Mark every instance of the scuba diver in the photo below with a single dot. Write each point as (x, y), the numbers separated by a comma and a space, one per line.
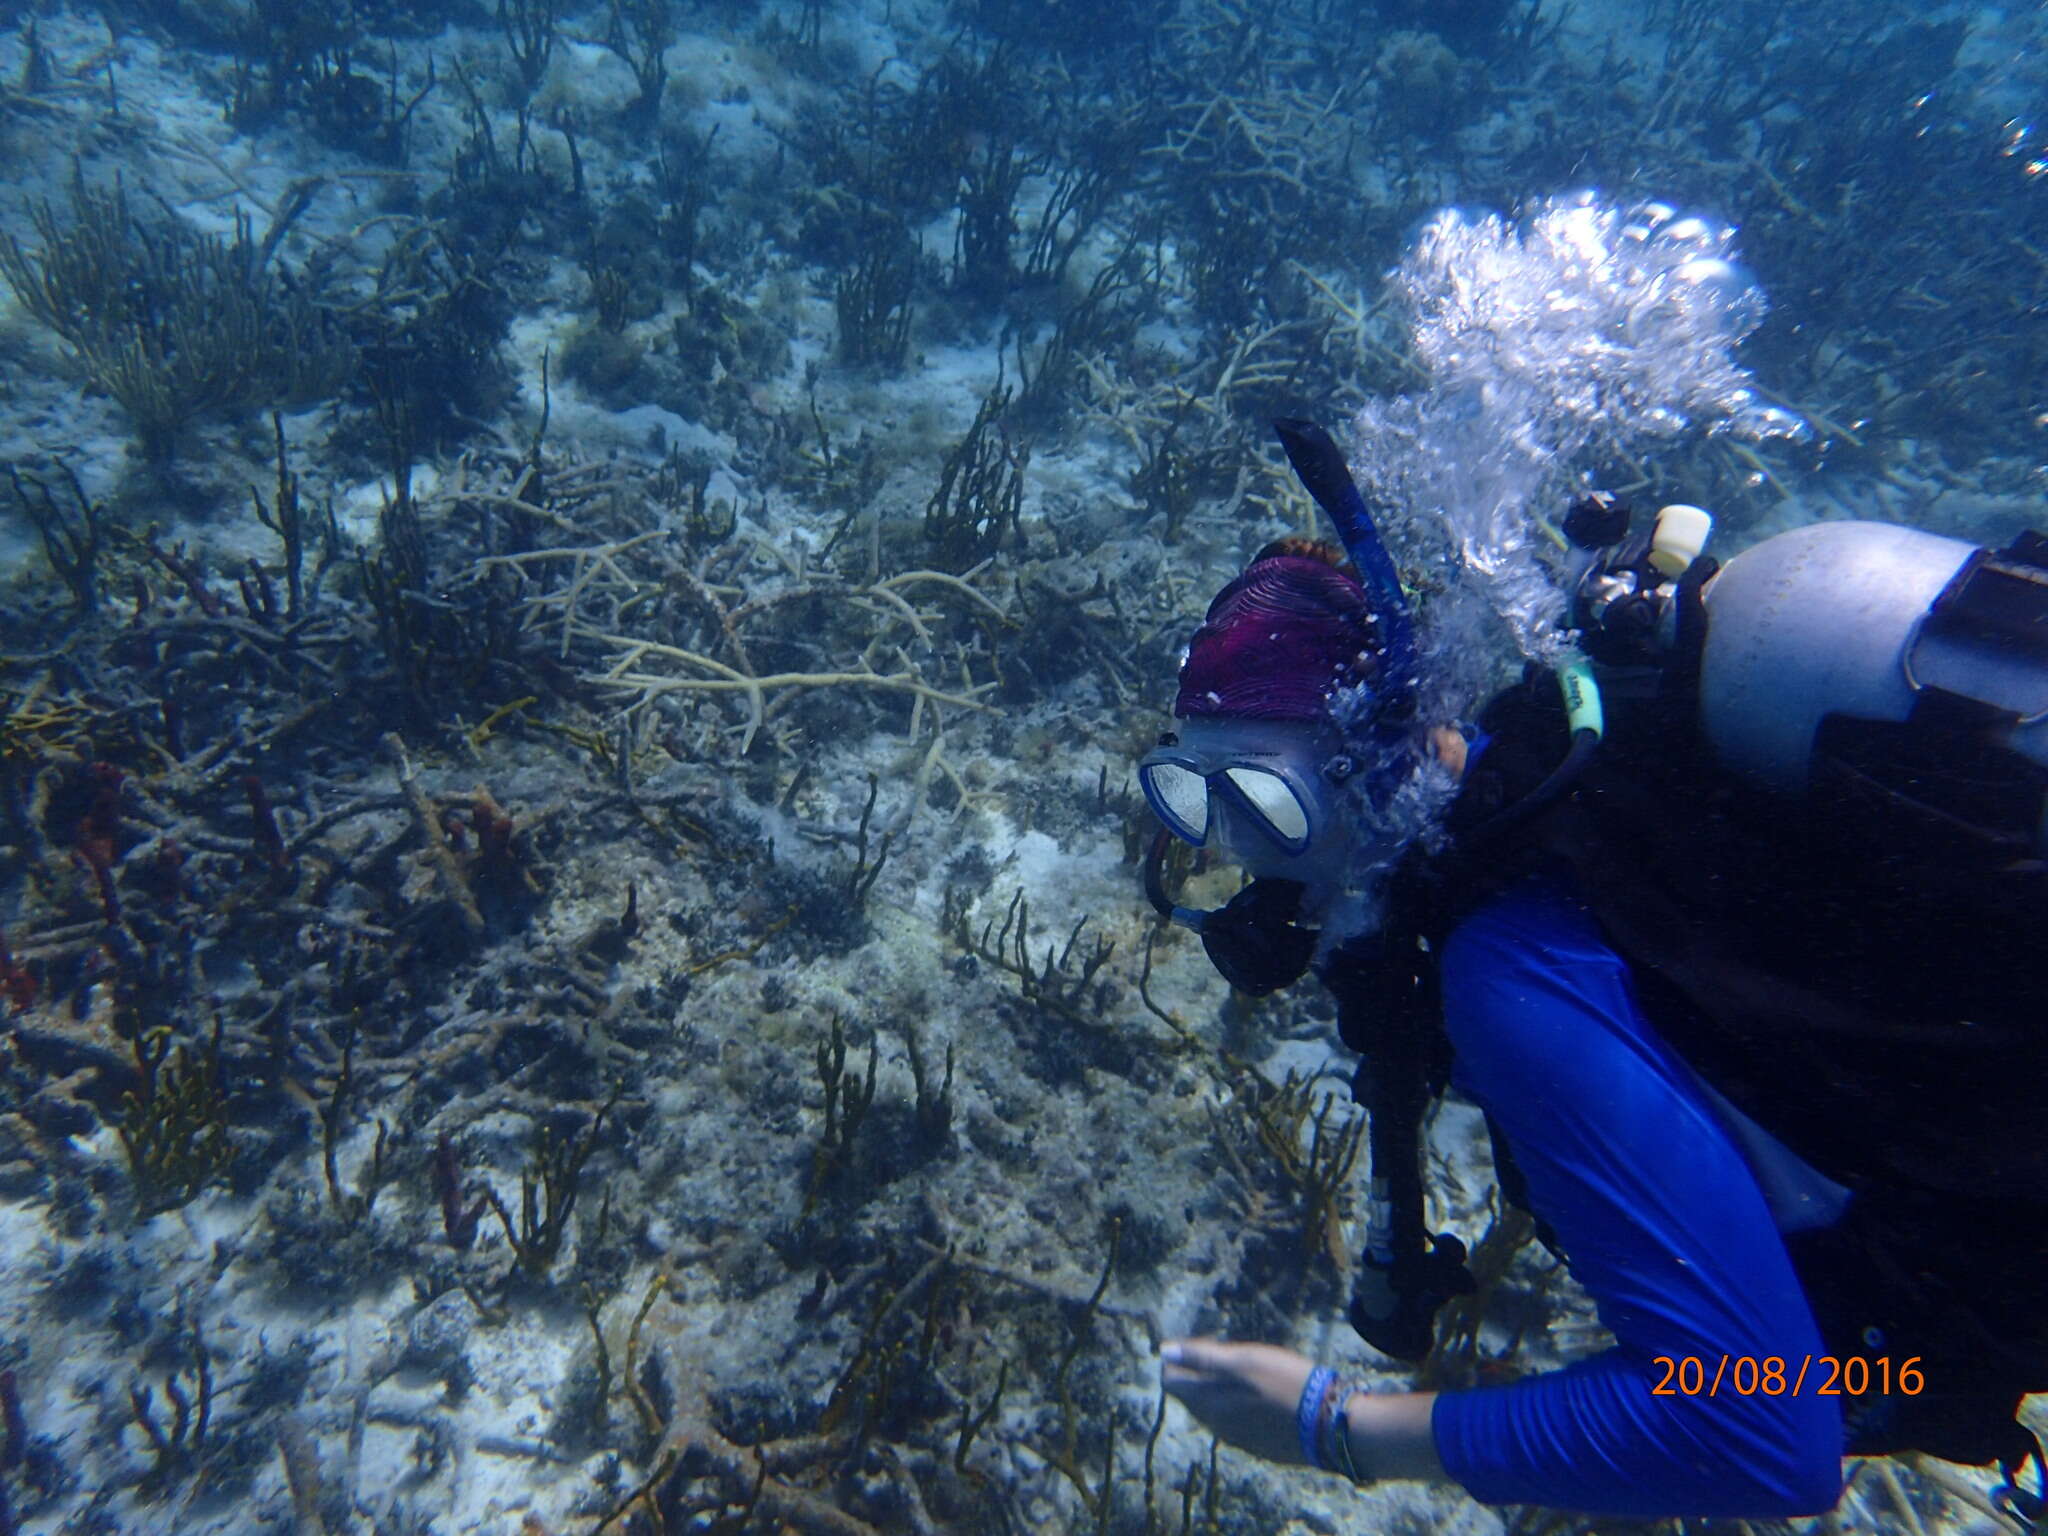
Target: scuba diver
(1733, 930)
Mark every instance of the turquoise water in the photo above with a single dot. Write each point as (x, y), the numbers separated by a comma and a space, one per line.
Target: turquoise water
(580, 591)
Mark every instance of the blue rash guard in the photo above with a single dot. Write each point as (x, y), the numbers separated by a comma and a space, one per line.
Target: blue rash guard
(1665, 1224)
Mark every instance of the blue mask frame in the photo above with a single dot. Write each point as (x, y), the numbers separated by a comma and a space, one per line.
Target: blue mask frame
(1235, 784)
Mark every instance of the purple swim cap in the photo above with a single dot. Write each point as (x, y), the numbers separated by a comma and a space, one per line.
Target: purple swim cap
(1278, 641)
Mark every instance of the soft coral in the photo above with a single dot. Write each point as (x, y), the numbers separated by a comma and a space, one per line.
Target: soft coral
(16, 984)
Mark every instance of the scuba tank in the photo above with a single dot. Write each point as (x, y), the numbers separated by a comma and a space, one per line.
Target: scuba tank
(1901, 666)
(1843, 643)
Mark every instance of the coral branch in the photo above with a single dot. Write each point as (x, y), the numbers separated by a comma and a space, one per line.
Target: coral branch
(454, 881)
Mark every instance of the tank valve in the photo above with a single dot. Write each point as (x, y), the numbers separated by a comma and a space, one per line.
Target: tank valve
(1597, 520)
(1623, 597)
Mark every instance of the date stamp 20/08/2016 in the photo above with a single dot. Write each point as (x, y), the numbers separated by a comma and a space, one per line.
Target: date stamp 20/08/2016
(1776, 1376)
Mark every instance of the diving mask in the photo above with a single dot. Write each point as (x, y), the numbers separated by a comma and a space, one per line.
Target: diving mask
(1273, 796)
(1262, 791)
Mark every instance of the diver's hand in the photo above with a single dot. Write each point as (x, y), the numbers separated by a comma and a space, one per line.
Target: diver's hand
(1246, 1394)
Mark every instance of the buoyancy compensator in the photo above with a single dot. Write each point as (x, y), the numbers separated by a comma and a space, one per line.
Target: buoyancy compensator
(1813, 824)
(1823, 850)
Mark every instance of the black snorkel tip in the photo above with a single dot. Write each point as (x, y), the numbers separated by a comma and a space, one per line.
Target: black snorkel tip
(1317, 460)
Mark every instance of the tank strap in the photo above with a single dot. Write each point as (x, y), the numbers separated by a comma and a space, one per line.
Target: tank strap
(1999, 596)
(1944, 779)
(1997, 600)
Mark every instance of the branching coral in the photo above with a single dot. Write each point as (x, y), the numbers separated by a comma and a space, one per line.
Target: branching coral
(980, 490)
(293, 521)
(934, 1100)
(630, 675)
(570, 556)
(1093, 325)
(174, 324)
(1061, 983)
(700, 1467)
(847, 1100)
(428, 334)
(530, 28)
(926, 1417)
(989, 183)
(1095, 1493)
(1252, 148)
(174, 1126)
(548, 1189)
(176, 1446)
(873, 301)
(71, 526)
(350, 1206)
(640, 32)
(1310, 1145)
(868, 861)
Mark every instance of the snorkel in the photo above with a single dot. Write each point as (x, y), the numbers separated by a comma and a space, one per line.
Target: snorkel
(1319, 465)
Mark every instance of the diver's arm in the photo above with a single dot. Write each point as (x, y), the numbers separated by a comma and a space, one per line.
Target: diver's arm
(1666, 1228)
(1391, 1435)
(1249, 1394)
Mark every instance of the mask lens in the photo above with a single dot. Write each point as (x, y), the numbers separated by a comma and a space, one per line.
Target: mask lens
(1277, 805)
(1180, 797)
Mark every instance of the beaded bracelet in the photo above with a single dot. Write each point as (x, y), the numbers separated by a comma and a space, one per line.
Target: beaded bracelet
(1308, 1415)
